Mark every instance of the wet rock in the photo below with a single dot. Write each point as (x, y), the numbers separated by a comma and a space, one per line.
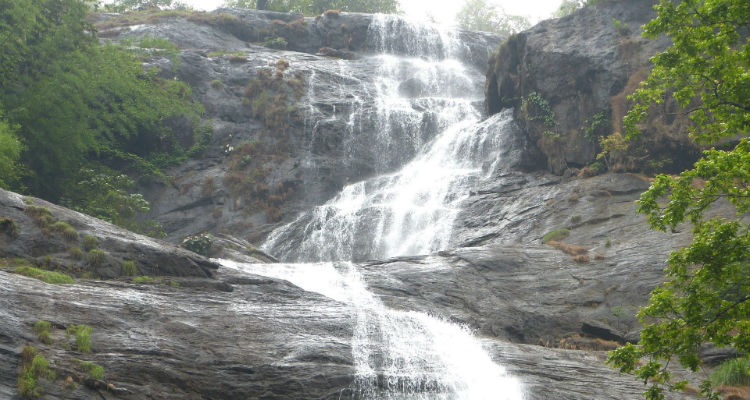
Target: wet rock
(584, 65)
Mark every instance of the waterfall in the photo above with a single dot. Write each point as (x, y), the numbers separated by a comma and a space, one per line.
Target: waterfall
(416, 107)
(425, 110)
(400, 355)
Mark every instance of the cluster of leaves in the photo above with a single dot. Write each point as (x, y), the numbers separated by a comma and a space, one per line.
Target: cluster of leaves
(200, 243)
(706, 298)
(67, 101)
(317, 7)
(479, 15)
(536, 108)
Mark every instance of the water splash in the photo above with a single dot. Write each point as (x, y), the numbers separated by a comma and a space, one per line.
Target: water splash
(400, 355)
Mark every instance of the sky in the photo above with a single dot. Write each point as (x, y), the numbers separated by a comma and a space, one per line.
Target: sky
(443, 11)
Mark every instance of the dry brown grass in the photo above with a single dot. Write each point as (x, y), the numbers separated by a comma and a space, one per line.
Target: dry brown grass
(578, 342)
(569, 249)
(620, 103)
(734, 392)
(582, 258)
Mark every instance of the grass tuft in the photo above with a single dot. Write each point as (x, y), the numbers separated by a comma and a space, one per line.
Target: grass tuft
(733, 372)
(57, 278)
(128, 268)
(41, 329)
(82, 334)
(557, 235)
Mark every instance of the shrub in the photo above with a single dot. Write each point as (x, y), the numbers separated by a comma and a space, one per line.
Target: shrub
(95, 371)
(143, 279)
(90, 242)
(68, 232)
(96, 258)
(278, 43)
(734, 372)
(41, 329)
(33, 366)
(557, 234)
(128, 268)
(9, 227)
(82, 334)
(217, 84)
(76, 253)
(200, 243)
(41, 216)
(57, 278)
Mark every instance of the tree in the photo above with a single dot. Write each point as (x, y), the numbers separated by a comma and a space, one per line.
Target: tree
(706, 296)
(10, 151)
(316, 7)
(478, 15)
(568, 6)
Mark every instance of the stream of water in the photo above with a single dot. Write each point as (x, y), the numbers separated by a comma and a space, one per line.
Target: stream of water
(401, 354)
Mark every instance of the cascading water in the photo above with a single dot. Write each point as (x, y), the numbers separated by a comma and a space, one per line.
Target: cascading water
(400, 355)
(423, 106)
(410, 211)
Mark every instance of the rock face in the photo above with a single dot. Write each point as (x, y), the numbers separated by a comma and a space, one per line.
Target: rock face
(42, 242)
(216, 332)
(335, 130)
(582, 67)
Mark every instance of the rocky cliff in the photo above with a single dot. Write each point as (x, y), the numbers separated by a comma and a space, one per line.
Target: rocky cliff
(546, 270)
(569, 79)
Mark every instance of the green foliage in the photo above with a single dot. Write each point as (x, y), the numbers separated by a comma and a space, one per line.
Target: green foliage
(217, 84)
(143, 279)
(95, 371)
(9, 227)
(733, 372)
(90, 242)
(41, 330)
(107, 196)
(534, 107)
(130, 5)
(82, 335)
(10, 152)
(96, 258)
(68, 232)
(72, 101)
(317, 7)
(706, 297)
(275, 43)
(557, 235)
(33, 367)
(128, 268)
(200, 243)
(597, 125)
(76, 253)
(57, 278)
(479, 15)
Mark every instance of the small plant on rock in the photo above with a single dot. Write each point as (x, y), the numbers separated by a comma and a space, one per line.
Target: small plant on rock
(9, 227)
(82, 335)
(90, 242)
(96, 258)
(557, 235)
(200, 243)
(76, 253)
(128, 268)
(41, 329)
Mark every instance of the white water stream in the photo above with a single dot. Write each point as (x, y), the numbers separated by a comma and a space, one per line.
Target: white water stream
(401, 355)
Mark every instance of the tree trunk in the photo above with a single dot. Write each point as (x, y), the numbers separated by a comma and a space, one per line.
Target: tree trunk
(262, 5)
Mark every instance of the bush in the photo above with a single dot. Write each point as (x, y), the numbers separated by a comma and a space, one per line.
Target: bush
(57, 278)
(200, 243)
(41, 329)
(143, 279)
(128, 268)
(278, 43)
(217, 84)
(82, 334)
(76, 253)
(95, 371)
(90, 242)
(96, 258)
(734, 372)
(68, 232)
(9, 227)
(557, 235)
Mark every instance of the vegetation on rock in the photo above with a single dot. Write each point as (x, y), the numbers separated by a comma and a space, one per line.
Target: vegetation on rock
(706, 298)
